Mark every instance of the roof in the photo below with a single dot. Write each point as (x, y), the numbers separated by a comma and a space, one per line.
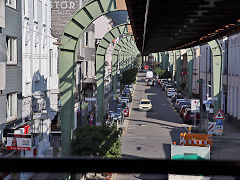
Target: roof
(145, 99)
(175, 24)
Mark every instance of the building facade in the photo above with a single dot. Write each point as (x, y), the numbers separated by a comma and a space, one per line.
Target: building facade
(10, 68)
(39, 74)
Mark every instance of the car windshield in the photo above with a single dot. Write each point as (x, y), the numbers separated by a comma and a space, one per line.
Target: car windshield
(145, 102)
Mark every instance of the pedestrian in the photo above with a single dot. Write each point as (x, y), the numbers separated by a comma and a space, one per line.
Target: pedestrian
(90, 119)
(94, 119)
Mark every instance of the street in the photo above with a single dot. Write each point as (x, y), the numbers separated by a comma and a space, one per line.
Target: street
(150, 134)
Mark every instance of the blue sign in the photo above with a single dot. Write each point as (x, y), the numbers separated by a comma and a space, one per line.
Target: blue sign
(209, 102)
(219, 122)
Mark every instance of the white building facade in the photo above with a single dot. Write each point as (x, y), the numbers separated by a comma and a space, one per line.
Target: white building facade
(39, 74)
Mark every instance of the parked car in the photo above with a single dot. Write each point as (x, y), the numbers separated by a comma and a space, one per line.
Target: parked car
(167, 87)
(182, 110)
(177, 102)
(175, 97)
(180, 104)
(150, 82)
(127, 97)
(188, 116)
(130, 87)
(125, 106)
(127, 91)
(171, 92)
(145, 105)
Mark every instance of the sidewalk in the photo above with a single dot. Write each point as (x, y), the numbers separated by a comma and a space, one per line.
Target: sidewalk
(225, 147)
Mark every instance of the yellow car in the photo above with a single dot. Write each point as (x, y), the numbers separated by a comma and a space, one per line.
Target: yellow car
(145, 105)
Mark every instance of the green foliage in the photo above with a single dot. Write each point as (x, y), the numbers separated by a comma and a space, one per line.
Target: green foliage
(163, 74)
(97, 141)
(129, 76)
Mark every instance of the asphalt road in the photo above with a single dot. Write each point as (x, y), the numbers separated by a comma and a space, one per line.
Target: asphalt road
(150, 134)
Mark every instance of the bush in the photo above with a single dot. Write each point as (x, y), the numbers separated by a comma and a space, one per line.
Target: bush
(97, 141)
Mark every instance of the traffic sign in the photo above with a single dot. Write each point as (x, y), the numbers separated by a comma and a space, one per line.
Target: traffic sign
(146, 67)
(219, 115)
(219, 122)
(195, 105)
(219, 130)
(212, 98)
(207, 101)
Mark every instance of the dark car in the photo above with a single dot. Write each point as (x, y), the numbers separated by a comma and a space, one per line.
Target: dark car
(127, 96)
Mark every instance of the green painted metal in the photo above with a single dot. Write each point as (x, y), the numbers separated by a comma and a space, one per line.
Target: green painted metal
(171, 56)
(67, 62)
(100, 64)
(190, 70)
(115, 55)
(178, 67)
(165, 60)
(216, 49)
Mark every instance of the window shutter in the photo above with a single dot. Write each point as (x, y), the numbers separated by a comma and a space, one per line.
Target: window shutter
(2, 75)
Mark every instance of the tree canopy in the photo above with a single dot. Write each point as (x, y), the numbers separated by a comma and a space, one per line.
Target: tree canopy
(97, 141)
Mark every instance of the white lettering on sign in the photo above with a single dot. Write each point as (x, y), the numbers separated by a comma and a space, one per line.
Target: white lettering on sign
(63, 5)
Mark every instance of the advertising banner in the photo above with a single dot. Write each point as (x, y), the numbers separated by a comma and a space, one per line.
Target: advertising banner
(19, 142)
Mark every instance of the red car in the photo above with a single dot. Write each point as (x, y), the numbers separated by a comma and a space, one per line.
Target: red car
(126, 112)
(182, 110)
(188, 116)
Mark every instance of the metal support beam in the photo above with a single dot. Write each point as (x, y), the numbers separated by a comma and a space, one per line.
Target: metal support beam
(216, 49)
(165, 60)
(190, 70)
(100, 64)
(171, 56)
(178, 67)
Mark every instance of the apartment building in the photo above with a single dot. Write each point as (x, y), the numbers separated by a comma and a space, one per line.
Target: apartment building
(10, 69)
(39, 74)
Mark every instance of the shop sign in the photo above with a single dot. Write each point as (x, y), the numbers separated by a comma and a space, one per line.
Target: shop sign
(19, 142)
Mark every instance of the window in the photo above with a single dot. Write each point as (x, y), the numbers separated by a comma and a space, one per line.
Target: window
(86, 68)
(25, 7)
(233, 60)
(11, 106)
(11, 46)
(236, 109)
(86, 39)
(237, 60)
(225, 61)
(35, 10)
(50, 61)
(12, 3)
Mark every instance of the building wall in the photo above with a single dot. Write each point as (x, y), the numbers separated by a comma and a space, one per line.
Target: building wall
(40, 69)
(62, 11)
(233, 76)
(196, 73)
(13, 72)
(2, 13)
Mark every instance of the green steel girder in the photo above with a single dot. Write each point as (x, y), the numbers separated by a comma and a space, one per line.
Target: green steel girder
(125, 54)
(165, 60)
(190, 70)
(216, 49)
(67, 62)
(171, 56)
(115, 60)
(100, 64)
(178, 67)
